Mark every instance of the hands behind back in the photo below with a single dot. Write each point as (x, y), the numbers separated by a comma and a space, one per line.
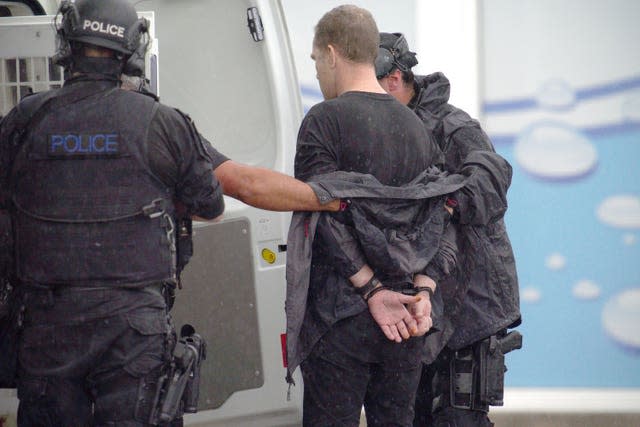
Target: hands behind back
(388, 309)
(403, 316)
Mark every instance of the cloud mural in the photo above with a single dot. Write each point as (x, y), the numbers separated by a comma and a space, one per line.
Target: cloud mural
(556, 94)
(555, 261)
(555, 151)
(620, 211)
(629, 239)
(530, 294)
(586, 290)
(621, 318)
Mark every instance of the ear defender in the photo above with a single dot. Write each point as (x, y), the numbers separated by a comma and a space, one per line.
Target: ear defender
(384, 62)
(138, 42)
(65, 21)
(398, 55)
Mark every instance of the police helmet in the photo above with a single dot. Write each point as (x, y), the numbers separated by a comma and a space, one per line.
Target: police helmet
(112, 24)
(393, 52)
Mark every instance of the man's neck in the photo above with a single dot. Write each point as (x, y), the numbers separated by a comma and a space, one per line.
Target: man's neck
(357, 77)
(406, 95)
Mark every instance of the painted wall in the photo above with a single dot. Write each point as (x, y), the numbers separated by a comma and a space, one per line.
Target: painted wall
(561, 84)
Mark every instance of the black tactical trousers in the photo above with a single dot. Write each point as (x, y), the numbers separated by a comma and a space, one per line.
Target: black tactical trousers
(353, 365)
(95, 372)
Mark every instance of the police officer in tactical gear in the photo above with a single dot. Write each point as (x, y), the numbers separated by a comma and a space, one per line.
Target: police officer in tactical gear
(94, 176)
(467, 375)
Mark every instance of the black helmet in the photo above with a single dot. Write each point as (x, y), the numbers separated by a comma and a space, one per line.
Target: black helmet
(393, 52)
(112, 24)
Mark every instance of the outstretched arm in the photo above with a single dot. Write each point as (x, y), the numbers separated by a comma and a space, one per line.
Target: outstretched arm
(267, 189)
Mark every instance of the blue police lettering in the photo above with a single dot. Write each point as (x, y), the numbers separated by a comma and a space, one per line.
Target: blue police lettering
(70, 144)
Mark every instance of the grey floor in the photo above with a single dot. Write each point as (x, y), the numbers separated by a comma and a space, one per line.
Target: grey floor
(566, 420)
(561, 420)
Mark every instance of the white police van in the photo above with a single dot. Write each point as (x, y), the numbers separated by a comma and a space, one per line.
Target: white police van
(228, 64)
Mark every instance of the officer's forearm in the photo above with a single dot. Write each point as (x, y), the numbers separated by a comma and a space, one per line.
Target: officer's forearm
(268, 189)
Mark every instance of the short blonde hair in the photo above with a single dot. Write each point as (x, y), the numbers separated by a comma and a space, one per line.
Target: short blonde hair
(351, 30)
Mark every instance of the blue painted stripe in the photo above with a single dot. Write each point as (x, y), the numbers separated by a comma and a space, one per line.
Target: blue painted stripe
(503, 106)
(612, 129)
(605, 89)
(593, 132)
(609, 88)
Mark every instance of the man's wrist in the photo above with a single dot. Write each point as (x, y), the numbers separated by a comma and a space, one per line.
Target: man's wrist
(365, 291)
(427, 289)
(374, 291)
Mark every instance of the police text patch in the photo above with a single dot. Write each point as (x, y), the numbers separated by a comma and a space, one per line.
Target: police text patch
(83, 144)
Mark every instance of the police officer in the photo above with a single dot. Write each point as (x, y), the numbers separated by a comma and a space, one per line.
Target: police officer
(476, 331)
(95, 176)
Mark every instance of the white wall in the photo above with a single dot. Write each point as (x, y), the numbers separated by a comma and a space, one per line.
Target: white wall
(442, 32)
(447, 41)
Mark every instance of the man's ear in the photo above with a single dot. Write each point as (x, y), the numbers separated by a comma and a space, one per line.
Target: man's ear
(394, 80)
(332, 56)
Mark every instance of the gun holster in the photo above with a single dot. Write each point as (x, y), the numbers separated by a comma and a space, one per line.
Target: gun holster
(179, 387)
(476, 373)
(492, 368)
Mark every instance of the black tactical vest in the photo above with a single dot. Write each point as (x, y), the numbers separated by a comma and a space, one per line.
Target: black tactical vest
(88, 210)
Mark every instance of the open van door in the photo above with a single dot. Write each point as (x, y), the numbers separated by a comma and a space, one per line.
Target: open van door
(228, 64)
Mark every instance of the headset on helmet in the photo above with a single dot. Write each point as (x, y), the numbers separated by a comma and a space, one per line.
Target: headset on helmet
(112, 24)
(393, 52)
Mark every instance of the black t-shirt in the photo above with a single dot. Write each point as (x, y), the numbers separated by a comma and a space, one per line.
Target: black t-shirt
(183, 160)
(361, 132)
(217, 158)
(367, 133)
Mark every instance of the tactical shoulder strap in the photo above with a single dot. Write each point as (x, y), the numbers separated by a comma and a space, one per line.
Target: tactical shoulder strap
(28, 110)
(32, 111)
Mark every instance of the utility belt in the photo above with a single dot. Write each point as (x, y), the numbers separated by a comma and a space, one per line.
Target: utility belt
(178, 387)
(472, 378)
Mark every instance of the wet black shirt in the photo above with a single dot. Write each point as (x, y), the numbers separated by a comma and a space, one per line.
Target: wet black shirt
(367, 133)
(184, 161)
(361, 132)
